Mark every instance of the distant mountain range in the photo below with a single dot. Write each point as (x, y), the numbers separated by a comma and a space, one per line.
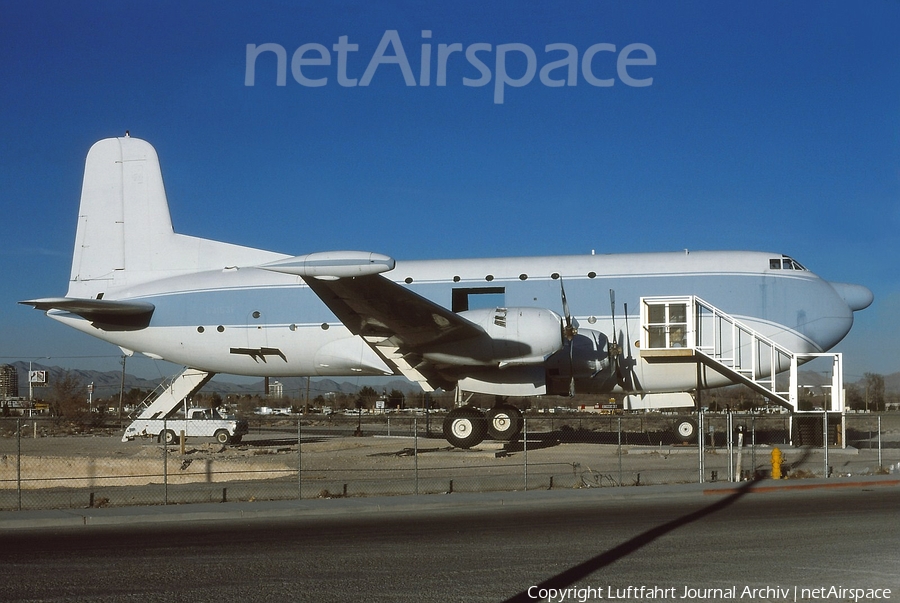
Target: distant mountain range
(108, 383)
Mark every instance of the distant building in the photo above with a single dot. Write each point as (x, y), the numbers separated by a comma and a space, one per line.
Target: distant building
(9, 382)
(276, 389)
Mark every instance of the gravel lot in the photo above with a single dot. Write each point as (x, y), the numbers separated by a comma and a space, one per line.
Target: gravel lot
(59, 469)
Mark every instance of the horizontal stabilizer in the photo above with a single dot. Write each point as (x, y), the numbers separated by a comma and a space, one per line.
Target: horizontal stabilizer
(127, 314)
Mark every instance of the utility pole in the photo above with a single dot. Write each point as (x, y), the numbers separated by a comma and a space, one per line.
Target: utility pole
(306, 406)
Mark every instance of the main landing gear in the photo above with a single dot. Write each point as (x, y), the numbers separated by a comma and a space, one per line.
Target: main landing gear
(467, 426)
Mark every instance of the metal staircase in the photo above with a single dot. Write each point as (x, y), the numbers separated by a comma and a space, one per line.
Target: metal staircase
(169, 395)
(689, 329)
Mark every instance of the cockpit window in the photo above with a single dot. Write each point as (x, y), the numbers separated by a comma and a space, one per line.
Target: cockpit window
(785, 263)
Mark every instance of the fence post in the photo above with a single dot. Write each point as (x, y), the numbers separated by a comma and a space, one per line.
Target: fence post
(525, 447)
(165, 450)
(825, 442)
(619, 449)
(701, 444)
(753, 446)
(729, 441)
(19, 464)
(880, 462)
(299, 458)
(416, 450)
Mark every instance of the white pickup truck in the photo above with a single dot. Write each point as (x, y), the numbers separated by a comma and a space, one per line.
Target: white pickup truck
(200, 422)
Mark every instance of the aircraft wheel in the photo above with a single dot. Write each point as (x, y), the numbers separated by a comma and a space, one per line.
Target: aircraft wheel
(465, 427)
(222, 436)
(504, 422)
(686, 430)
(168, 437)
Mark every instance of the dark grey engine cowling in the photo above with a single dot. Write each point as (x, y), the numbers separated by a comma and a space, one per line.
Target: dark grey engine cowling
(586, 359)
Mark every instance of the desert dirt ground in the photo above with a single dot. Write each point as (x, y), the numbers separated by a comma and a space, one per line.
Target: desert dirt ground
(66, 468)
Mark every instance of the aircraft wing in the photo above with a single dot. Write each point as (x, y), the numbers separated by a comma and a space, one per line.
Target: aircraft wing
(101, 312)
(398, 323)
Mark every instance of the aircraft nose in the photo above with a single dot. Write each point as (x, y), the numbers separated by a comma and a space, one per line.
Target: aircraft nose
(855, 296)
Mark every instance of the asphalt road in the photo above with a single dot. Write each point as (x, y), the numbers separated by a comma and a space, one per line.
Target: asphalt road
(481, 547)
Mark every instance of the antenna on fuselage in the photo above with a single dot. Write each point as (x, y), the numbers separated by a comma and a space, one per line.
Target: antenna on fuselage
(614, 348)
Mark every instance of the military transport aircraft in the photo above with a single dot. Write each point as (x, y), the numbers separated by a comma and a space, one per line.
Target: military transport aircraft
(515, 326)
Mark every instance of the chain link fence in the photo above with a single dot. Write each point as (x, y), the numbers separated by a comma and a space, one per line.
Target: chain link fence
(45, 464)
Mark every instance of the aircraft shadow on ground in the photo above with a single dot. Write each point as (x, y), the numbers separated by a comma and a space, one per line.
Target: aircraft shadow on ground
(569, 577)
(868, 440)
(631, 438)
(269, 442)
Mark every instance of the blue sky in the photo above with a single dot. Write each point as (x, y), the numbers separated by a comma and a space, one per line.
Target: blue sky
(768, 125)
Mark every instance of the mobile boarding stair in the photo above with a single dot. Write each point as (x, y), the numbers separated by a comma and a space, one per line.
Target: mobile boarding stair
(169, 396)
(691, 330)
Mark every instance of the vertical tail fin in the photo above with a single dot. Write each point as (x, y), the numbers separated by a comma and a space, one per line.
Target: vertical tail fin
(123, 220)
(125, 233)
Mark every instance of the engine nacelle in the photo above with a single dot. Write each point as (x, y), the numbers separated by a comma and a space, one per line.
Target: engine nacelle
(513, 336)
(585, 358)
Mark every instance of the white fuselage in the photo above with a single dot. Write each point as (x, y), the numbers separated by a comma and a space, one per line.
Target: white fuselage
(212, 319)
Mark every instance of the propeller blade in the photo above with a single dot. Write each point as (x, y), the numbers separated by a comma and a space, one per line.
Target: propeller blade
(572, 366)
(615, 350)
(569, 332)
(628, 360)
(612, 311)
(570, 329)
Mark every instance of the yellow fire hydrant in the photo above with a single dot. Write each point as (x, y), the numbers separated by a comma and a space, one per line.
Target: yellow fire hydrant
(777, 458)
